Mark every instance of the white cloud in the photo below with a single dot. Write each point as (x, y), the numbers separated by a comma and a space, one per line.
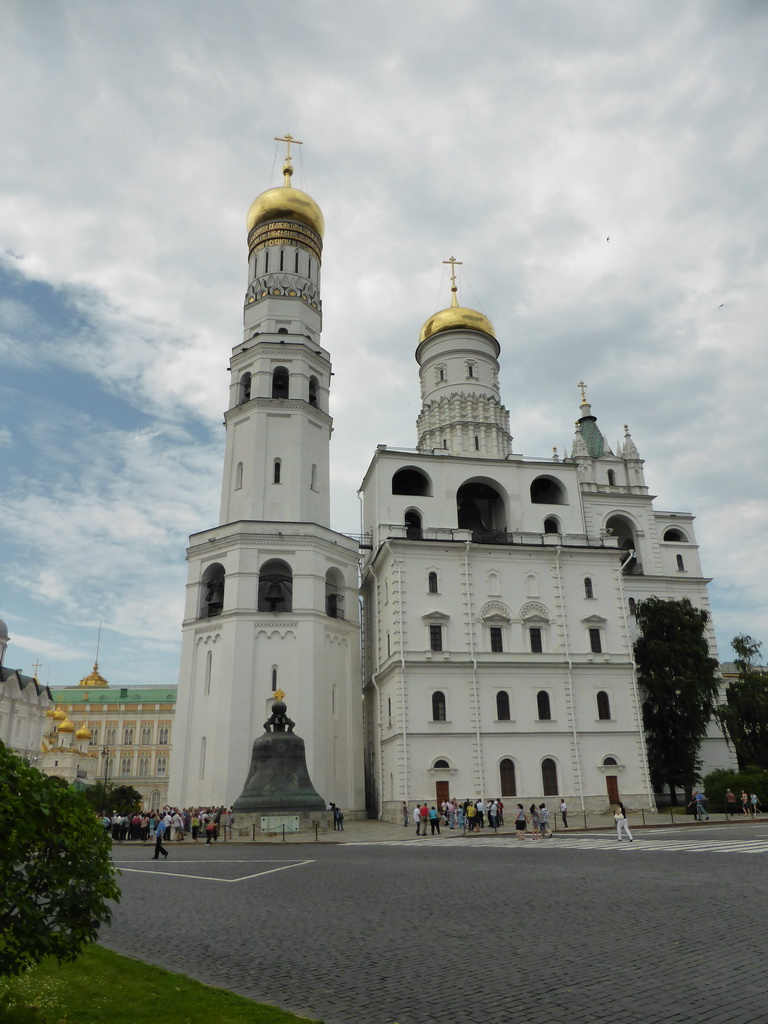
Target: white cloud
(518, 140)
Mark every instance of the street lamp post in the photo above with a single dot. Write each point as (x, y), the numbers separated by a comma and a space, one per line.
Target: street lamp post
(105, 755)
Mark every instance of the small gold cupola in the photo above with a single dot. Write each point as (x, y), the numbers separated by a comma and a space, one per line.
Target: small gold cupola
(456, 317)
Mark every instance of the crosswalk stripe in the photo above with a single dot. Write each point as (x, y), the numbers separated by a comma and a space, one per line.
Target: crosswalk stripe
(590, 843)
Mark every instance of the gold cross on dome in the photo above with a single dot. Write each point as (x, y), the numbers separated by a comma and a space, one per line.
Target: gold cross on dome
(279, 694)
(582, 385)
(36, 667)
(453, 263)
(288, 139)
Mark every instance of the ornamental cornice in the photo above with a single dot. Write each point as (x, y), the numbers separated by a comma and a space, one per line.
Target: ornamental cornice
(496, 610)
(272, 540)
(280, 405)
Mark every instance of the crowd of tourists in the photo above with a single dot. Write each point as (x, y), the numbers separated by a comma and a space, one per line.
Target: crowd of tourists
(196, 822)
(474, 815)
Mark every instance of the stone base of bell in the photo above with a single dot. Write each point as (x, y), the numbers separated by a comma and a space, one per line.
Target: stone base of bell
(268, 824)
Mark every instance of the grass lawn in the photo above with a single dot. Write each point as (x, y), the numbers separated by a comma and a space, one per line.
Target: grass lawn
(101, 987)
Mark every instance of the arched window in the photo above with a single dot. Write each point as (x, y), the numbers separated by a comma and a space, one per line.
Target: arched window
(212, 591)
(588, 592)
(611, 478)
(438, 706)
(208, 670)
(203, 745)
(389, 709)
(280, 382)
(432, 583)
(609, 761)
(143, 767)
(441, 763)
(507, 777)
(334, 596)
(480, 508)
(621, 528)
(313, 477)
(545, 490)
(680, 564)
(549, 777)
(277, 467)
(162, 765)
(110, 738)
(146, 736)
(502, 706)
(163, 737)
(544, 710)
(274, 678)
(245, 388)
(238, 476)
(94, 740)
(314, 384)
(551, 525)
(412, 525)
(125, 766)
(275, 587)
(128, 738)
(632, 605)
(411, 481)
(675, 536)
(477, 443)
(603, 706)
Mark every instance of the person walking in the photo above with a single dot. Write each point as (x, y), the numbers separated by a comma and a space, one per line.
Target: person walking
(533, 814)
(699, 811)
(162, 825)
(424, 816)
(544, 819)
(620, 817)
(564, 812)
(731, 807)
(434, 820)
(417, 818)
(520, 821)
(754, 804)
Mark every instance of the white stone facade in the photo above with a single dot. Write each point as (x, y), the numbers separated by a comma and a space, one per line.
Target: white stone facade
(272, 599)
(499, 593)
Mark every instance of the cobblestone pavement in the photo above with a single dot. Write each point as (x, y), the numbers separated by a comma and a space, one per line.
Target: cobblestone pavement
(485, 929)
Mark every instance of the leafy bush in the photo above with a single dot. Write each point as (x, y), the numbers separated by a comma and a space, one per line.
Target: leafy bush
(752, 780)
(55, 865)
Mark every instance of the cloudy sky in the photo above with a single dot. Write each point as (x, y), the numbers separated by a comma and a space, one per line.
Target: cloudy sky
(518, 136)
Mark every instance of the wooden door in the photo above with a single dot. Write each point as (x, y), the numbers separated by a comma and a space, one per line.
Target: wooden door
(441, 792)
(612, 785)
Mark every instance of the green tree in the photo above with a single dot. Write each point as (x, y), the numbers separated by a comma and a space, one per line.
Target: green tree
(744, 716)
(680, 688)
(55, 865)
(124, 799)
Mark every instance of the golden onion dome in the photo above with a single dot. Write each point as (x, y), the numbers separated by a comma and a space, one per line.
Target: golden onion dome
(67, 726)
(50, 713)
(456, 318)
(59, 714)
(83, 733)
(285, 203)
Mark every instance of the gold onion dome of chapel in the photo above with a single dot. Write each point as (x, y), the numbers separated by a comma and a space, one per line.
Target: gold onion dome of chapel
(83, 733)
(67, 726)
(286, 202)
(456, 317)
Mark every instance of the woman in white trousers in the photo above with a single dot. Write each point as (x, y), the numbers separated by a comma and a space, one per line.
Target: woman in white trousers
(620, 818)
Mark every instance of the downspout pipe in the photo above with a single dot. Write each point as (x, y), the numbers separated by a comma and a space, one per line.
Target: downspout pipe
(399, 565)
(574, 731)
(635, 688)
(374, 677)
(473, 656)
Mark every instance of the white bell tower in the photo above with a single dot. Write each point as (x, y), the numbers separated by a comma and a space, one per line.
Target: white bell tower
(272, 591)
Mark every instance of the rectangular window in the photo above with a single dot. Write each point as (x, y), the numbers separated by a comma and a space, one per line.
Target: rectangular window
(595, 643)
(436, 638)
(497, 639)
(535, 634)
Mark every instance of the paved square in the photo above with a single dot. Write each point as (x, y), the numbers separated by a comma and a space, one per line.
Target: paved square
(573, 929)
